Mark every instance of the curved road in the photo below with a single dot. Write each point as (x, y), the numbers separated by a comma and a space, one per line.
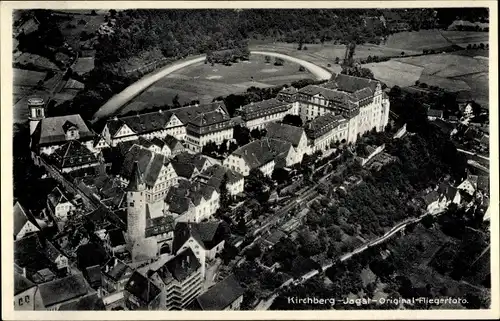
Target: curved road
(120, 99)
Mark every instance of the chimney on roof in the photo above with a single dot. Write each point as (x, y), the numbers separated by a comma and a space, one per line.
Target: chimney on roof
(187, 259)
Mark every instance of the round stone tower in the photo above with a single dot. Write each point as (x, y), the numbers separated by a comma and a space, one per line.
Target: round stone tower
(136, 206)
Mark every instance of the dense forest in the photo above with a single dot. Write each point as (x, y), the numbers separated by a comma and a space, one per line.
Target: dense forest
(185, 32)
(222, 34)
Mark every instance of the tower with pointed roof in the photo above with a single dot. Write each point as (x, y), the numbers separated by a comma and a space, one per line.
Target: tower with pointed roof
(136, 205)
(36, 106)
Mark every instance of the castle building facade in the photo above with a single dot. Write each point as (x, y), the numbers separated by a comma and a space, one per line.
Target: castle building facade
(198, 123)
(360, 101)
(215, 126)
(258, 114)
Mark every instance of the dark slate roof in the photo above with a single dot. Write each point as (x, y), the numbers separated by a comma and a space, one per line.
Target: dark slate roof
(444, 127)
(159, 225)
(261, 152)
(141, 141)
(178, 202)
(158, 142)
(446, 190)
(323, 124)
(116, 237)
(262, 108)
(473, 179)
(51, 131)
(185, 114)
(172, 142)
(90, 302)
(72, 154)
(135, 179)
(109, 188)
(220, 296)
(29, 253)
(91, 254)
(64, 289)
(142, 287)
(51, 252)
(154, 121)
(485, 140)
(483, 183)
(21, 283)
(214, 176)
(275, 237)
(289, 133)
(149, 164)
(179, 197)
(43, 275)
(113, 197)
(93, 275)
(116, 269)
(140, 124)
(352, 84)
(122, 148)
(435, 113)
(431, 198)
(207, 234)
(185, 163)
(68, 125)
(209, 118)
(180, 267)
(346, 100)
(56, 197)
(35, 253)
(363, 94)
(21, 217)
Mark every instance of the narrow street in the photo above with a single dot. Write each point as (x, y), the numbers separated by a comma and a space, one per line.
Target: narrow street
(472, 154)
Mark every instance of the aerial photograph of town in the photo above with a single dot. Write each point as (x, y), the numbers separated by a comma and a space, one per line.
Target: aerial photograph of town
(251, 159)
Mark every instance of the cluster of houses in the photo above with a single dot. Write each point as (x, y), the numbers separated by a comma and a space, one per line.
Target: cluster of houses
(93, 275)
(151, 196)
(472, 194)
(470, 131)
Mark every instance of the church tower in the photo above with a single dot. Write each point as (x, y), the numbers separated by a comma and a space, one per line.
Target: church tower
(136, 206)
(36, 108)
